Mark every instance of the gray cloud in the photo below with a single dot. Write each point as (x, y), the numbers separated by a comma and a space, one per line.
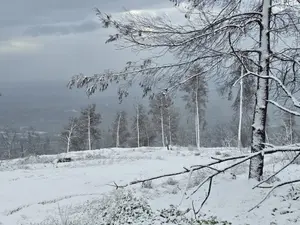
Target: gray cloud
(35, 12)
(64, 40)
(57, 17)
(62, 29)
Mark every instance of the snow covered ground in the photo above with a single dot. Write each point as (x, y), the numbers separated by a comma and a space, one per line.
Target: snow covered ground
(33, 189)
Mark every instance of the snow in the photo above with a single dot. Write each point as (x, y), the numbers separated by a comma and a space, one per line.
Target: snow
(33, 189)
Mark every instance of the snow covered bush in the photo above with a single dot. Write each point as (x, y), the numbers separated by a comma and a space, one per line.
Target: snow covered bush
(171, 181)
(147, 184)
(122, 207)
(239, 169)
(218, 153)
(197, 177)
(211, 221)
(173, 216)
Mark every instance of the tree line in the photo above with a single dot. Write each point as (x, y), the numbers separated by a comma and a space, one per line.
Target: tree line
(158, 124)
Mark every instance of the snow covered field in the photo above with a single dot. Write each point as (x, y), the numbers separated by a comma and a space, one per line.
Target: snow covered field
(33, 189)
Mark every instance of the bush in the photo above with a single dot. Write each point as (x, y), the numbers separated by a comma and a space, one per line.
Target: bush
(197, 177)
(147, 184)
(171, 181)
(211, 221)
(173, 216)
(123, 207)
(218, 153)
(226, 155)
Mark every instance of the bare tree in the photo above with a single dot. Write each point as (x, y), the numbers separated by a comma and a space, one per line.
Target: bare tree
(120, 131)
(69, 132)
(214, 35)
(142, 127)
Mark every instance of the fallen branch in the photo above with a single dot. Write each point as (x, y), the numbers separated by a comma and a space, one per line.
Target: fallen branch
(217, 161)
(273, 175)
(275, 187)
(268, 151)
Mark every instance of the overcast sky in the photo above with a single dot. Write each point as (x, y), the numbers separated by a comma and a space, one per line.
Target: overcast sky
(54, 39)
(51, 40)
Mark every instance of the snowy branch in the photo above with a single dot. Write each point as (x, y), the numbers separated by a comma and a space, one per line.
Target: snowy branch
(275, 187)
(241, 159)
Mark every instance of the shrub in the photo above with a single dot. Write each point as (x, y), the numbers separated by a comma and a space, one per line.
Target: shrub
(147, 184)
(218, 153)
(211, 221)
(226, 155)
(197, 177)
(122, 207)
(171, 181)
(172, 215)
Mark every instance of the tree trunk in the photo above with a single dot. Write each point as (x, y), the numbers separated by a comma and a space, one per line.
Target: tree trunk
(162, 123)
(261, 104)
(241, 111)
(9, 153)
(138, 126)
(148, 138)
(68, 142)
(291, 130)
(118, 132)
(170, 132)
(197, 122)
(89, 130)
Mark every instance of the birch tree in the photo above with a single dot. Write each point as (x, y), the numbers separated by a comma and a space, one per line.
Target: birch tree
(120, 132)
(215, 33)
(196, 98)
(69, 132)
(243, 102)
(141, 127)
(163, 117)
(87, 131)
